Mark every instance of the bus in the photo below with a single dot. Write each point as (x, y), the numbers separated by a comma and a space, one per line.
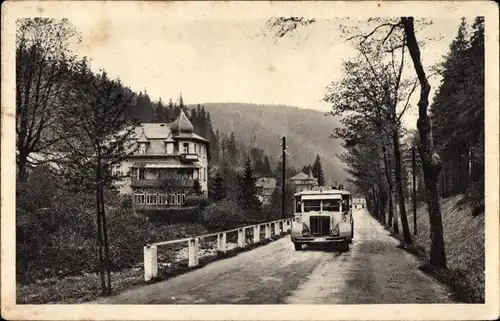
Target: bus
(322, 217)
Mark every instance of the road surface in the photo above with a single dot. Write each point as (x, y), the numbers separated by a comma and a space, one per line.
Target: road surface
(372, 271)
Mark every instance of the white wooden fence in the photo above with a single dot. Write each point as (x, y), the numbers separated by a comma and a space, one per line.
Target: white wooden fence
(151, 250)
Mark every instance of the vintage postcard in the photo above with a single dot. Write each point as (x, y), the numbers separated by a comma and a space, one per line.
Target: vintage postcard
(250, 160)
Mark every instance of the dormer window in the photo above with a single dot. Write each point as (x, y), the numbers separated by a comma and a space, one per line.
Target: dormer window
(142, 148)
(170, 148)
(185, 148)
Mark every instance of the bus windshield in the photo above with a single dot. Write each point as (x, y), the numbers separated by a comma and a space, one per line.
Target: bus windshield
(331, 205)
(312, 205)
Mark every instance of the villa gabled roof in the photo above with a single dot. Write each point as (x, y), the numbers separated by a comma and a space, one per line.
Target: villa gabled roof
(300, 176)
(152, 131)
(142, 138)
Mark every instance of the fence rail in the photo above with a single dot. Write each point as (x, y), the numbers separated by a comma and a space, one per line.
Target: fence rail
(270, 229)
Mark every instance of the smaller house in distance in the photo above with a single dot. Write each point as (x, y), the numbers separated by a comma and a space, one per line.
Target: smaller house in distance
(265, 189)
(358, 202)
(302, 182)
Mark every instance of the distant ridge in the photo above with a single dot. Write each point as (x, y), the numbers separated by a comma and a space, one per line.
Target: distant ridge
(307, 132)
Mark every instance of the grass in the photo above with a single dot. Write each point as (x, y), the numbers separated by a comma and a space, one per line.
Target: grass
(464, 246)
(75, 289)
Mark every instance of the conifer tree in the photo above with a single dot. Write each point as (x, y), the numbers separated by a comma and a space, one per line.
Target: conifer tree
(267, 167)
(218, 190)
(317, 171)
(248, 191)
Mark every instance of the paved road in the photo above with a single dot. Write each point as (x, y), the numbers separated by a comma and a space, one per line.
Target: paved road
(373, 271)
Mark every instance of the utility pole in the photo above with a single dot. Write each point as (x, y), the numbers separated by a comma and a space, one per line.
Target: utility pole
(414, 191)
(283, 173)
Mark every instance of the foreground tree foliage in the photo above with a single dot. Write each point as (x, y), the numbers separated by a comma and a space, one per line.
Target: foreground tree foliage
(100, 139)
(44, 65)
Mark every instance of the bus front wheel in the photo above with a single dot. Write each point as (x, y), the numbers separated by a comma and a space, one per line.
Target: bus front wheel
(297, 246)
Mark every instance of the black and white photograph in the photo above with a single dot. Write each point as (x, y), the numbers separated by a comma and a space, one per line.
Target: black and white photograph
(249, 160)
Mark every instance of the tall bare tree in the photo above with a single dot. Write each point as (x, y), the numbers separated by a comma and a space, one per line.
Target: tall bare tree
(44, 63)
(101, 138)
(431, 162)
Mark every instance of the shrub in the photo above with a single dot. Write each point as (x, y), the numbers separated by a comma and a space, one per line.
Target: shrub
(173, 215)
(475, 197)
(222, 215)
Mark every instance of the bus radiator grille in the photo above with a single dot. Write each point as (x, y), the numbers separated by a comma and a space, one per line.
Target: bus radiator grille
(320, 225)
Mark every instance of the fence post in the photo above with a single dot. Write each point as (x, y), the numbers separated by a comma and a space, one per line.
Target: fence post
(288, 225)
(221, 242)
(267, 234)
(241, 238)
(150, 262)
(193, 252)
(256, 234)
(276, 228)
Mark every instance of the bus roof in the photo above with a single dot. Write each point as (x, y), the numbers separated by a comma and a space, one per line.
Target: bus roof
(323, 191)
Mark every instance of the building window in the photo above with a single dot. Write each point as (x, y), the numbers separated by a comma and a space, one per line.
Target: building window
(186, 148)
(172, 199)
(142, 148)
(141, 174)
(154, 199)
(179, 199)
(170, 148)
(195, 148)
(139, 198)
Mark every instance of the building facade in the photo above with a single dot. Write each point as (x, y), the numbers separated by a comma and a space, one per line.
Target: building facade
(167, 161)
(265, 189)
(302, 182)
(359, 202)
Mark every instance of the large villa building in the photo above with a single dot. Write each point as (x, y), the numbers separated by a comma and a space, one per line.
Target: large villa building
(167, 161)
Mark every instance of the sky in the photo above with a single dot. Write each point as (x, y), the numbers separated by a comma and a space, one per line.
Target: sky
(230, 60)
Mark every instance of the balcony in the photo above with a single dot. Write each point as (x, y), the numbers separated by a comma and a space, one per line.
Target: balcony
(189, 157)
(161, 182)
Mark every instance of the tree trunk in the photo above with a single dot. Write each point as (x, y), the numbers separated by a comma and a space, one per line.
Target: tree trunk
(395, 219)
(99, 233)
(431, 162)
(106, 245)
(389, 182)
(21, 167)
(399, 189)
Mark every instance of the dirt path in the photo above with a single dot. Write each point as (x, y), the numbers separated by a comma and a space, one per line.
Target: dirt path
(373, 271)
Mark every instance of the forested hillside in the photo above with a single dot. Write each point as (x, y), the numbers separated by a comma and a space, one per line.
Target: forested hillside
(307, 131)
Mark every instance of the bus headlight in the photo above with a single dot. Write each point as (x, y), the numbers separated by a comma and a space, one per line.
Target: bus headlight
(297, 219)
(305, 229)
(344, 217)
(335, 230)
